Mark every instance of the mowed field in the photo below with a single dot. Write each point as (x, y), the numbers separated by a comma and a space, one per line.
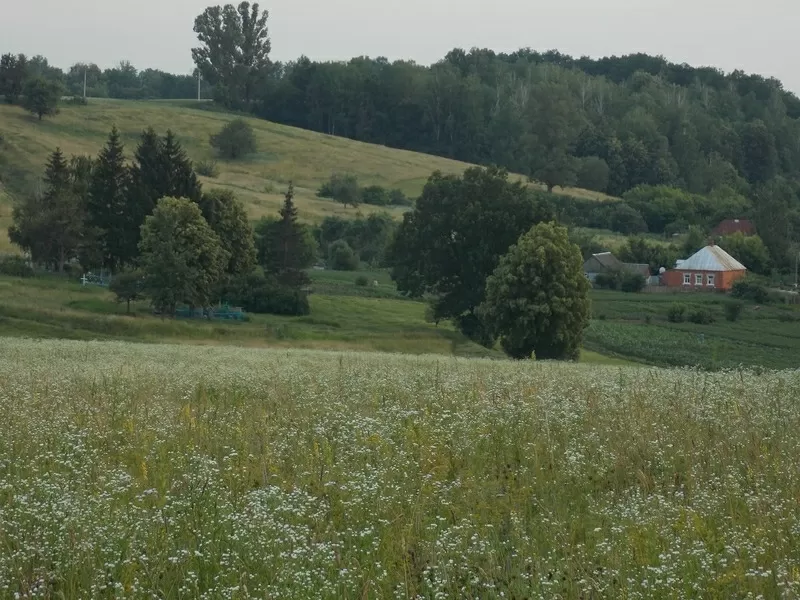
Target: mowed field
(284, 154)
(139, 471)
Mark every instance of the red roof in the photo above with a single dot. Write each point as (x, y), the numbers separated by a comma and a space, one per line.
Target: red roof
(731, 226)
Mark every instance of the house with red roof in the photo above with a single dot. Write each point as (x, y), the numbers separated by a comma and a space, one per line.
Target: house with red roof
(731, 226)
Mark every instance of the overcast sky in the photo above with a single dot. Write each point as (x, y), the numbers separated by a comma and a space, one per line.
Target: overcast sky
(759, 36)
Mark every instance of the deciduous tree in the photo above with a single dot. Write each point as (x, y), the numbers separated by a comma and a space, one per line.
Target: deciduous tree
(42, 96)
(537, 298)
(228, 219)
(235, 139)
(181, 256)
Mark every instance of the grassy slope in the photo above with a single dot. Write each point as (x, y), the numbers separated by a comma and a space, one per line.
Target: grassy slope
(286, 153)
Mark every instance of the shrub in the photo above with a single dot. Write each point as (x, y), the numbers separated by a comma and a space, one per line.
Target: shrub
(342, 188)
(15, 266)
(341, 257)
(733, 310)
(375, 195)
(747, 289)
(676, 313)
(127, 287)
(362, 281)
(701, 316)
(608, 281)
(632, 283)
(235, 140)
(263, 295)
(207, 168)
(398, 198)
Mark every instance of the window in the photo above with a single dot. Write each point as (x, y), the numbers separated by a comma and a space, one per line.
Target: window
(687, 279)
(711, 280)
(698, 279)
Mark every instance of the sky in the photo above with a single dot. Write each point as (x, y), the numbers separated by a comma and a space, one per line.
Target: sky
(755, 36)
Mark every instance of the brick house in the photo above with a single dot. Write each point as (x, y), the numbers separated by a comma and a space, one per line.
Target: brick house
(605, 262)
(731, 226)
(709, 269)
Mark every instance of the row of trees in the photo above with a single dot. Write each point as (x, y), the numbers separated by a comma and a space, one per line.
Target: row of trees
(123, 81)
(192, 247)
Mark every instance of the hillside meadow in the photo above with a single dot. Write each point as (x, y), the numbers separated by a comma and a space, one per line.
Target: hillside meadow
(140, 471)
(284, 154)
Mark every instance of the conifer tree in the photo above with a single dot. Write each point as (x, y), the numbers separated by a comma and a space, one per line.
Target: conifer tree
(180, 180)
(285, 260)
(108, 217)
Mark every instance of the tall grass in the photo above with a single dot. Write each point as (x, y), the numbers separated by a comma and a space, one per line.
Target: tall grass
(139, 471)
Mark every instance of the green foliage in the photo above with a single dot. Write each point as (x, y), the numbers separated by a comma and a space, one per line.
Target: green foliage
(15, 266)
(233, 55)
(207, 168)
(733, 310)
(41, 97)
(267, 234)
(50, 223)
(181, 256)
(342, 188)
(696, 239)
(701, 316)
(235, 140)
(13, 72)
(111, 218)
(557, 169)
(285, 247)
(362, 281)
(262, 294)
(676, 313)
(632, 283)
(610, 280)
(228, 219)
(374, 195)
(367, 236)
(592, 174)
(748, 289)
(398, 198)
(627, 219)
(128, 287)
(748, 250)
(453, 239)
(341, 256)
(537, 298)
(639, 250)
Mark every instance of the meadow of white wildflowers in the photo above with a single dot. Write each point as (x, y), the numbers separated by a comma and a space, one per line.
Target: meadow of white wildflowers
(137, 471)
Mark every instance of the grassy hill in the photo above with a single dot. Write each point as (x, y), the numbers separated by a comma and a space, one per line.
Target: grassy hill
(285, 154)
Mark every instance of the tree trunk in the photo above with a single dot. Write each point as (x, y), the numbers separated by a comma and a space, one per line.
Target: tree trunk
(128, 311)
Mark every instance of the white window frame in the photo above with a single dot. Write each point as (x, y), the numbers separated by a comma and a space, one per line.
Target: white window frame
(711, 280)
(687, 279)
(698, 279)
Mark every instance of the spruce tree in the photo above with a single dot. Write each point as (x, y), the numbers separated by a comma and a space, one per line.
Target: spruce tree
(108, 217)
(148, 179)
(180, 180)
(50, 224)
(285, 260)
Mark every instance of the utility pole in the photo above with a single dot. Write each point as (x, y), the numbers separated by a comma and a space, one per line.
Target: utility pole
(84, 82)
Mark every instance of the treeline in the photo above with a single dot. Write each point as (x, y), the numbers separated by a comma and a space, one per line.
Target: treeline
(608, 125)
(123, 81)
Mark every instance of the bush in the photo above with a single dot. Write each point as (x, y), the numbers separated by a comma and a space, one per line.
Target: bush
(398, 198)
(362, 281)
(632, 283)
(676, 313)
(207, 168)
(341, 257)
(374, 195)
(235, 140)
(733, 310)
(259, 294)
(15, 266)
(747, 289)
(342, 188)
(608, 281)
(701, 316)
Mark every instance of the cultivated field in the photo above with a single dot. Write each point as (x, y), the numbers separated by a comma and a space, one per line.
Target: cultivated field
(137, 471)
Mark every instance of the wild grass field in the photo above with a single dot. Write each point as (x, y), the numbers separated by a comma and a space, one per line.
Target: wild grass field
(141, 471)
(284, 154)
